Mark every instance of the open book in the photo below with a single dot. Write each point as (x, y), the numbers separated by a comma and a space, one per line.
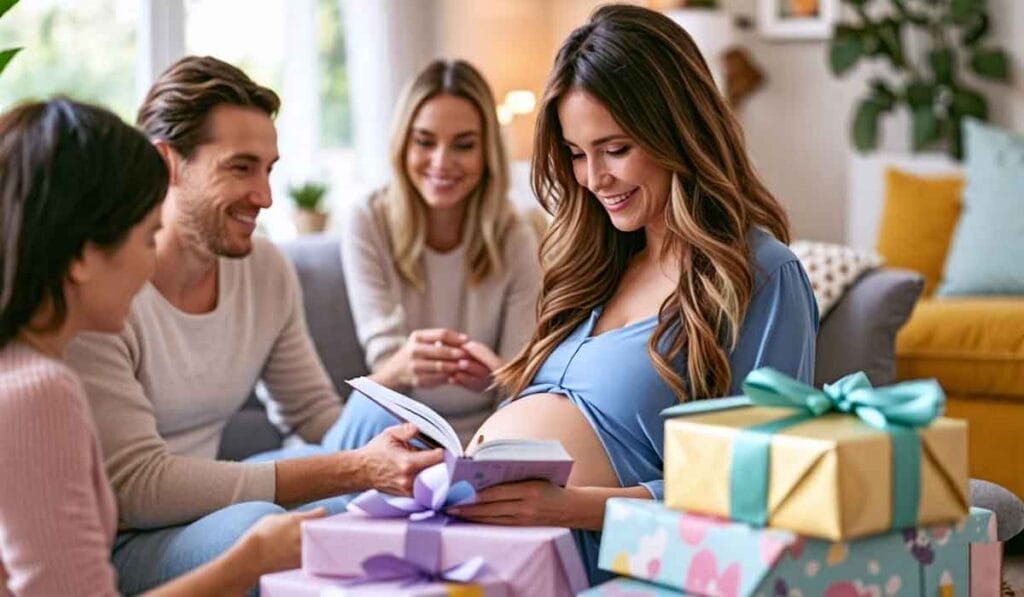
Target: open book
(492, 463)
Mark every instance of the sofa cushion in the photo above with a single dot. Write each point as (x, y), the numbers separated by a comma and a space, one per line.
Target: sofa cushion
(971, 345)
(317, 260)
(860, 332)
(832, 268)
(987, 254)
(917, 223)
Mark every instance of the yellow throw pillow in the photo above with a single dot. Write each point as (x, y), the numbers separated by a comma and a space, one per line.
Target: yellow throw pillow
(917, 224)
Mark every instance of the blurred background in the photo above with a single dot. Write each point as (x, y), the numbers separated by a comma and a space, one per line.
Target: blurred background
(339, 65)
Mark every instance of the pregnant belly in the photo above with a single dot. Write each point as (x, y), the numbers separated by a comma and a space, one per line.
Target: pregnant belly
(553, 417)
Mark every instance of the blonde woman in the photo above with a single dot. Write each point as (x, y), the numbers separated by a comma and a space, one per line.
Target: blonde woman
(666, 277)
(442, 274)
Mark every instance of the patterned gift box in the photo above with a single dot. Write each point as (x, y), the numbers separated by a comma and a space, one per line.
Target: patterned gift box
(296, 583)
(628, 587)
(711, 556)
(987, 565)
(806, 463)
(532, 560)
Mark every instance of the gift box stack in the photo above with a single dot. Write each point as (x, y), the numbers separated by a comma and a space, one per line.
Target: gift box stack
(792, 491)
(388, 545)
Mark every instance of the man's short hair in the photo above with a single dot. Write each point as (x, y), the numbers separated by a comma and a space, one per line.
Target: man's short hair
(176, 108)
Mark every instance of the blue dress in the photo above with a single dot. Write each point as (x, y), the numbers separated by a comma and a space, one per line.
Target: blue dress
(611, 379)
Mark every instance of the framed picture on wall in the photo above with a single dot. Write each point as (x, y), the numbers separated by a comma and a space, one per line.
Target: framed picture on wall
(797, 19)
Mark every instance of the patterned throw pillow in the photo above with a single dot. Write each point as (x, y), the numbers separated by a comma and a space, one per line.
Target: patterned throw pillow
(832, 269)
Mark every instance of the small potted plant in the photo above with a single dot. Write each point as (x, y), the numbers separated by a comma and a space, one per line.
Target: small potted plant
(309, 218)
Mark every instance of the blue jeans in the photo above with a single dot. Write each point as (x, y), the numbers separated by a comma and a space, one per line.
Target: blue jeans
(145, 559)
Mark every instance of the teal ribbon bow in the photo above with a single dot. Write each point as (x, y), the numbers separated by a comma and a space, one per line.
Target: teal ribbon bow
(898, 410)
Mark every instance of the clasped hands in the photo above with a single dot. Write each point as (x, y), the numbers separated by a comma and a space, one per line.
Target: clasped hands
(434, 357)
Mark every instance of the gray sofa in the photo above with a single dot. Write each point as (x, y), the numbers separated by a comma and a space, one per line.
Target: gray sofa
(858, 334)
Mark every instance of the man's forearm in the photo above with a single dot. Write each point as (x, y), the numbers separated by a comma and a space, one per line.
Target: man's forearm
(311, 478)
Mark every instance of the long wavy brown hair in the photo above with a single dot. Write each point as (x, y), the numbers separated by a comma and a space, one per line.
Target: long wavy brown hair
(647, 71)
(489, 211)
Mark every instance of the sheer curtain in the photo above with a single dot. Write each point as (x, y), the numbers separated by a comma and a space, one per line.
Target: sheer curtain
(387, 42)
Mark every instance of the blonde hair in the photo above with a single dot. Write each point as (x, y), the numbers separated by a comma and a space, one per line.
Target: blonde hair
(647, 71)
(489, 213)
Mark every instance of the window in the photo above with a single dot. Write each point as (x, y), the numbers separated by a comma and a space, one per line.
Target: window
(85, 50)
(91, 52)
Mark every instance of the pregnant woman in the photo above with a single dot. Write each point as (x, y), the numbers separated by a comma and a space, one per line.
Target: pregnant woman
(665, 274)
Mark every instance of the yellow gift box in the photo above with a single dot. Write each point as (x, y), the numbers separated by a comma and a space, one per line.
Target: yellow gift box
(829, 476)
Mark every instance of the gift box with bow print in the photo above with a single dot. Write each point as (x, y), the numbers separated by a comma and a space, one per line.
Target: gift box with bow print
(704, 555)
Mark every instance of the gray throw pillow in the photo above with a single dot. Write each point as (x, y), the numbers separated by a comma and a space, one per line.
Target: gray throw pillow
(859, 334)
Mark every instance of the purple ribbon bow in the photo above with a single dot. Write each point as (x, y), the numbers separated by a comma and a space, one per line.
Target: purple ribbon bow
(432, 494)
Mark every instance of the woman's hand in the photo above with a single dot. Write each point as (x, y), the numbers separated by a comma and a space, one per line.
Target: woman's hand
(475, 373)
(428, 359)
(274, 543)
(526, 503)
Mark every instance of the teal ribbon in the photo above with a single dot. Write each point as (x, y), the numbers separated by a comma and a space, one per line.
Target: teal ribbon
(898, 410)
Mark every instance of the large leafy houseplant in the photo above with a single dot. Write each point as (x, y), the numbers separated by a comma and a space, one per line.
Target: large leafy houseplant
(7, 54)
(927, 44)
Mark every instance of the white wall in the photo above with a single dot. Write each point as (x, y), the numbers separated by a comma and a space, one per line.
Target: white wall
(797, 125)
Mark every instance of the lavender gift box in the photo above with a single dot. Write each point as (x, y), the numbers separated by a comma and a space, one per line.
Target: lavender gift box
(531, 560)
(710, 556)
(296, 583)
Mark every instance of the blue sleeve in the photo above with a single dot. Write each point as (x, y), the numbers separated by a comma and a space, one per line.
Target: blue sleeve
(657, 488)
(780, 327)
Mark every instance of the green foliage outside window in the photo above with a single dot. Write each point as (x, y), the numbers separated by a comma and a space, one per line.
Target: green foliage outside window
(85, 50)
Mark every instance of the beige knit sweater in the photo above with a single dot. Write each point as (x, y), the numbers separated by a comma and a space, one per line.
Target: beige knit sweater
(500, 311)
(162, 391)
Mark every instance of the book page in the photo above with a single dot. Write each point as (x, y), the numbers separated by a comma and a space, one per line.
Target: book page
(430, 424)
(521, 449)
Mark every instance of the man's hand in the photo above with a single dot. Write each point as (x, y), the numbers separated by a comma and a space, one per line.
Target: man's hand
(391, 464)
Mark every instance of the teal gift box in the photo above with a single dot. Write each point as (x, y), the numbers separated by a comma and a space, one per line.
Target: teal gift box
(711, 556)
(627, 587)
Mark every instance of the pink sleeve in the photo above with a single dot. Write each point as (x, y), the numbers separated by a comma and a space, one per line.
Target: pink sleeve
(53, 540)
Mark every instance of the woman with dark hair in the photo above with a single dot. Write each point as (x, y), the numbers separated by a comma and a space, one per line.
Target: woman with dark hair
(665, 274)
(80, 196)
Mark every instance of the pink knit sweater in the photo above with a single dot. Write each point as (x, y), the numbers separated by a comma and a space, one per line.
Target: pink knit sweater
(57, 512)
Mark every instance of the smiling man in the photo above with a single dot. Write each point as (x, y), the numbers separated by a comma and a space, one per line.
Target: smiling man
(223, 310)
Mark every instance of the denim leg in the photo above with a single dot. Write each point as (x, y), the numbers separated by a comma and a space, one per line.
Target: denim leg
(334, 505)
(361, 420)
(145, 559)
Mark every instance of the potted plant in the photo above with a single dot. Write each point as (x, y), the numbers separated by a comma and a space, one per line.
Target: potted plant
(929, 82)
(309, 218)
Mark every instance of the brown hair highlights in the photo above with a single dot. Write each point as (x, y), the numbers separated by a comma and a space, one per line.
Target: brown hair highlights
(177, 106)
(647, 71)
